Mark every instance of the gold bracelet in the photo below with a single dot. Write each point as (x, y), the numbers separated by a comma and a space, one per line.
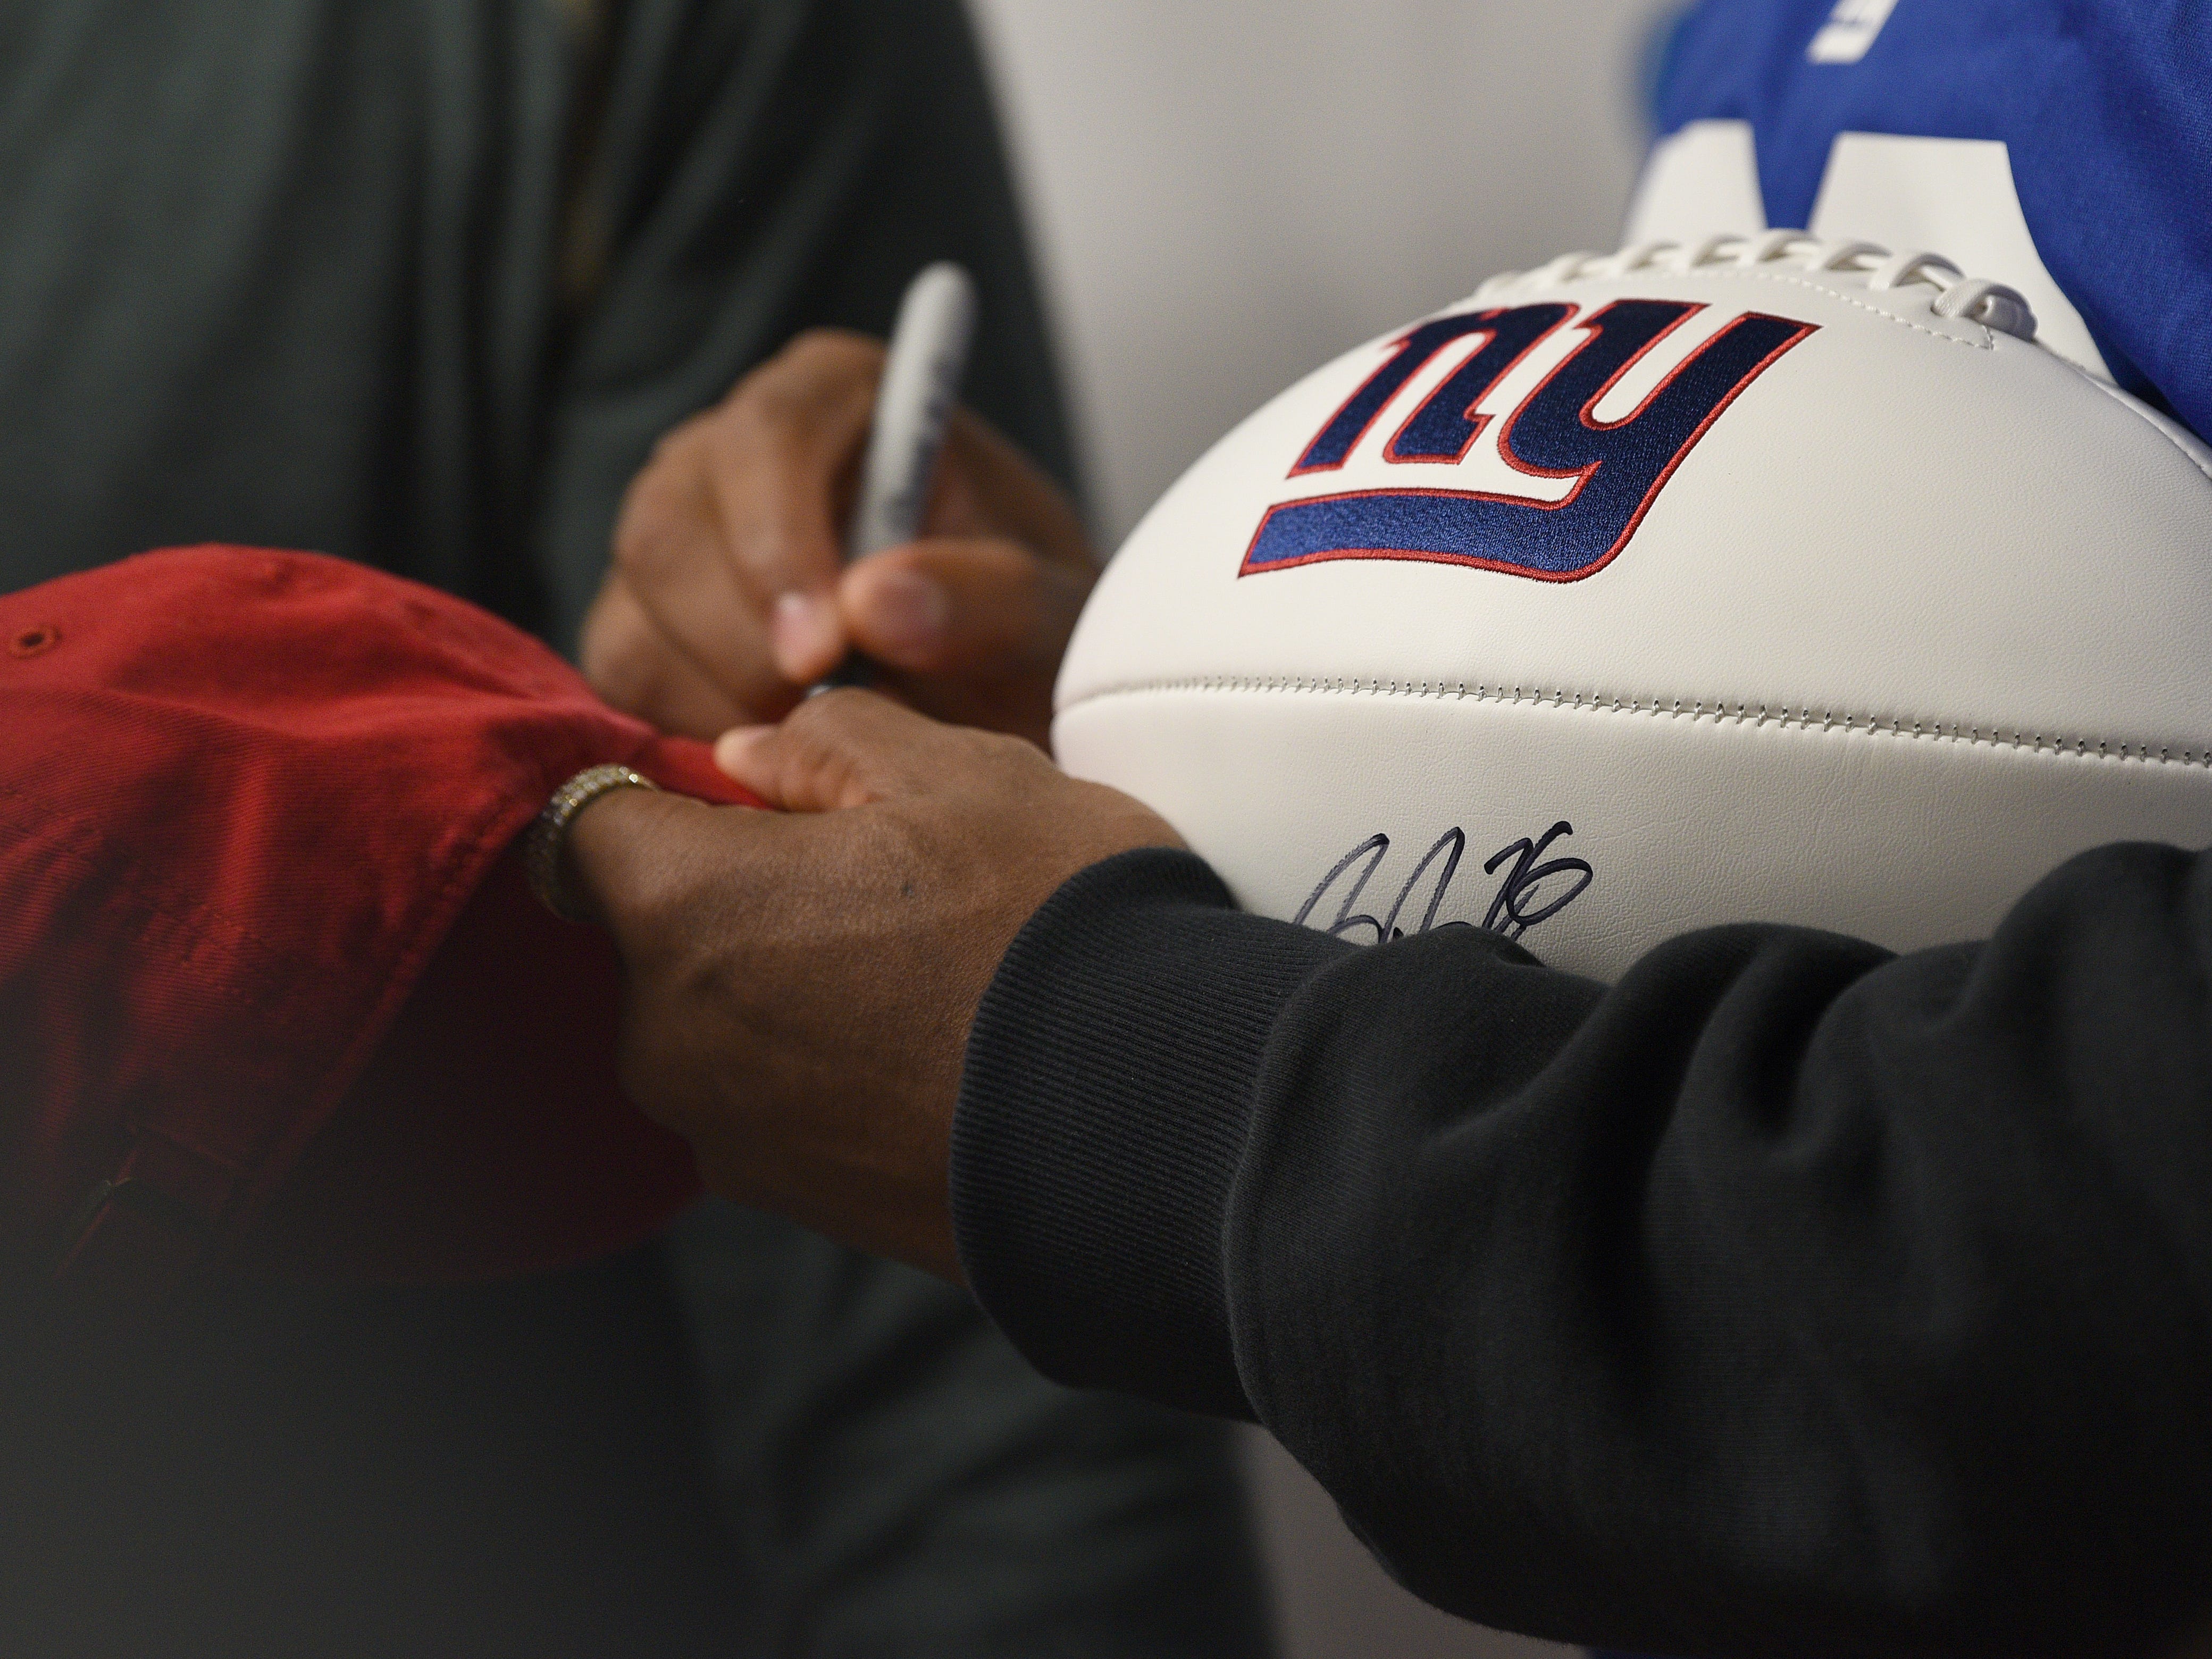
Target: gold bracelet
(541, 842)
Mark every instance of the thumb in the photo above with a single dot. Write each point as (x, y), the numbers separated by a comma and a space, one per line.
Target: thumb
(837, 750)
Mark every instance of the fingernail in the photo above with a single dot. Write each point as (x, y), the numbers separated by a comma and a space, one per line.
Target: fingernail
(803, 634)
(907, 611)
(735, 747)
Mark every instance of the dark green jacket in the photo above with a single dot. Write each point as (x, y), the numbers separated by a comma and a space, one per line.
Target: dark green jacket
(419, 283)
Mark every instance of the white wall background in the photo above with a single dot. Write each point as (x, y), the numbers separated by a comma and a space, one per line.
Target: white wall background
(1225, 193)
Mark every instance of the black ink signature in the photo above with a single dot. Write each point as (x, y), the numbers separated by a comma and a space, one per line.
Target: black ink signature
(1508, 914)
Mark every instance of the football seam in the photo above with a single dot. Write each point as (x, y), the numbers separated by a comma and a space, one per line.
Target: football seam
(1826, 290)
(1988, 342)
(1720, 711)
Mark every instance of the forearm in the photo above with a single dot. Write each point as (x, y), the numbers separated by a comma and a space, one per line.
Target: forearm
(1787, 1294)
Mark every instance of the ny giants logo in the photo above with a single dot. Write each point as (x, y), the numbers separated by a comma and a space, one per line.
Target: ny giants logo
(1618, 467)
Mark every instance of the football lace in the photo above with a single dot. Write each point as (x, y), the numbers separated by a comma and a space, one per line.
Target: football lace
(1954, 294)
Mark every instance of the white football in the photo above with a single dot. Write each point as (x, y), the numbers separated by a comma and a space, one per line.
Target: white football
(1767, 579)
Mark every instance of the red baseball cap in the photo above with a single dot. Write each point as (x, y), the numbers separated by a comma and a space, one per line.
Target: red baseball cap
(274, 995)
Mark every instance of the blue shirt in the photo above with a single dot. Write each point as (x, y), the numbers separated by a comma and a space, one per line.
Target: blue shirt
(2103, 110)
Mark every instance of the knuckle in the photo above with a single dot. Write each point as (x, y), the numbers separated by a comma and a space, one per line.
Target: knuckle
(819, 371)
(1002, 751)
(669, 445)
(615, 651)
(615, 657)
(643, 535)
(646, 556)
(819, 738)
(837, 352)
(827, 713)
(833, 709)
(773, 425)
(759, 407)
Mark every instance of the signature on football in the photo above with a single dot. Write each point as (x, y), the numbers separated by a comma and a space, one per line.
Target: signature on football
(1534, 890)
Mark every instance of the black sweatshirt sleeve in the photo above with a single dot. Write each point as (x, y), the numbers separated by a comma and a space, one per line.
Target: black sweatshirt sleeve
(1788, 1297)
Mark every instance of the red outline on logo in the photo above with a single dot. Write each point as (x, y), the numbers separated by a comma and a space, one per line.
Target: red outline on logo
(1245, 567)
(1481, 422)
(1398, 349)
(1580, 475)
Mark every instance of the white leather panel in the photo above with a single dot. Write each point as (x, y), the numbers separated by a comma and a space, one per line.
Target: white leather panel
(1685, 821)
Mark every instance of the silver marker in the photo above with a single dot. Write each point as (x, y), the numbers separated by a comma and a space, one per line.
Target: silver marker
(914, 403)
(921, 384)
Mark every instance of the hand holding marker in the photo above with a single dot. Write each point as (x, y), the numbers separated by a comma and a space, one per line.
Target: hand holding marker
(921, 384)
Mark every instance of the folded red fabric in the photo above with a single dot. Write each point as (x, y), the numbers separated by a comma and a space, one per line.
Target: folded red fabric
(273, 995)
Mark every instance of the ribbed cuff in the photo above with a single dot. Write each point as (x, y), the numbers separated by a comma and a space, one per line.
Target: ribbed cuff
(1103, 1111)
